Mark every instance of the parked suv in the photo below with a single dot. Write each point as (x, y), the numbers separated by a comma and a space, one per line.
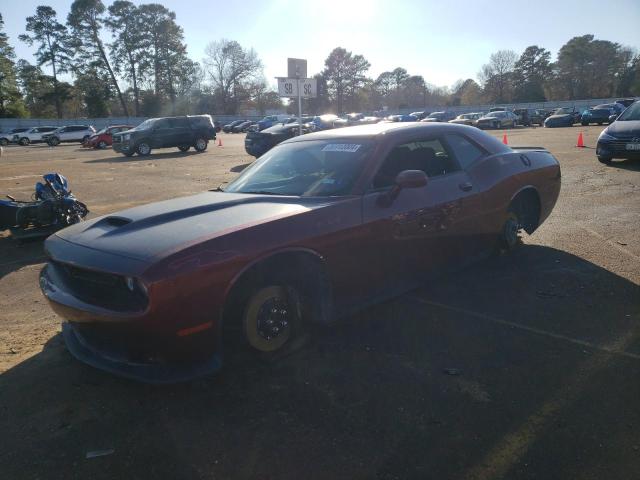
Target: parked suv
(32, 135)
(530, 116)
(7, 137)
(182, 132)
(70, 133)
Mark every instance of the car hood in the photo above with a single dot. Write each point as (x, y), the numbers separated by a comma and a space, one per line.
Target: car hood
(156, 230)
(624, 128)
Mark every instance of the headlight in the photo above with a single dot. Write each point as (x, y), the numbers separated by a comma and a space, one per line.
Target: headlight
(134, 284)
(606, 137)
(126, 136)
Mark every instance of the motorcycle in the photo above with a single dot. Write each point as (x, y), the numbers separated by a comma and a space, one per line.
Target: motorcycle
(52, 208)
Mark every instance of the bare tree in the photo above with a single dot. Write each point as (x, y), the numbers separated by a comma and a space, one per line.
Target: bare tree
(496, 75)
(230, 67)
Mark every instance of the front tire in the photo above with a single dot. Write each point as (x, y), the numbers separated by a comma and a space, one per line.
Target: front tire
(102, 144)
(510, 236)
(143, 149)
(200, 145)
(271, 318)
(184, 148)
(24, 141)
(604, 160)
(4, 142)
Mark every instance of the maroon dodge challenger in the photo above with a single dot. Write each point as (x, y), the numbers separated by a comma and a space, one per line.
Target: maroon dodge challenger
(320, 225)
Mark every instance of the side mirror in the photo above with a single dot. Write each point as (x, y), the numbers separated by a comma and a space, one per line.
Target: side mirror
(405, 179)
(613, 118)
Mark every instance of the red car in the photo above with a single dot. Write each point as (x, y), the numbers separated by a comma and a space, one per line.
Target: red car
(103, 138)
(320, 225)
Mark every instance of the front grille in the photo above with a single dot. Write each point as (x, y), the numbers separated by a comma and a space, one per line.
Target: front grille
(619, 146)
(102, 289)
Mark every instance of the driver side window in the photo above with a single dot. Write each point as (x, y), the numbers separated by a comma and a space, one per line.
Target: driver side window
(430, 156)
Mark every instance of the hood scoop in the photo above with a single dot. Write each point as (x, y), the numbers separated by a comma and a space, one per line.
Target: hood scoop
(117, 221)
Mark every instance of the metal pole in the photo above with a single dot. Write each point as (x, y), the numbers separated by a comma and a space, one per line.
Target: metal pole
(299, 108)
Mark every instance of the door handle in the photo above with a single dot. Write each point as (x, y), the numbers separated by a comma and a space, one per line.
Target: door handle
(466, 186)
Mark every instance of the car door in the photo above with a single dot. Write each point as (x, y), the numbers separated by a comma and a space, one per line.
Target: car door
(420, 232)
(161, 136)
(181, 132)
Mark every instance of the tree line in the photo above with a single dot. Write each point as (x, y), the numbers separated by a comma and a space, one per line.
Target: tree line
(144, 70)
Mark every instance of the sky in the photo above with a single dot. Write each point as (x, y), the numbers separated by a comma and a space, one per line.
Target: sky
(444, 40)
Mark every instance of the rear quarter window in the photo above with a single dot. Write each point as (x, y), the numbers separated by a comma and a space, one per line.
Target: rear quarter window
(465, 151)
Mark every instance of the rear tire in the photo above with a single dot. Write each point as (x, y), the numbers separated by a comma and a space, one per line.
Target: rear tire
(4, 142)
(85, 139)
(201, 144)
(102, 144)
(24, 141)
(53, 141)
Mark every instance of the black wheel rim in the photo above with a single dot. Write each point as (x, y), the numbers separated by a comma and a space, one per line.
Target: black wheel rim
(274, 318)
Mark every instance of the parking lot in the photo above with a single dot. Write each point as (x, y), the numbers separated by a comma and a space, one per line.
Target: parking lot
(524, 366)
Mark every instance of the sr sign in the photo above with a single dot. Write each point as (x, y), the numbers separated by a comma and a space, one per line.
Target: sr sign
(288, 87)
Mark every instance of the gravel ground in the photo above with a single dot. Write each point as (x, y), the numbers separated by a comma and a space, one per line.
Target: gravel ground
(525, 366)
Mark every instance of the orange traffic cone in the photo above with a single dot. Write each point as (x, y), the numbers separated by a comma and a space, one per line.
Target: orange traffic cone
(504, 139)
(219, 142)
(580, 143)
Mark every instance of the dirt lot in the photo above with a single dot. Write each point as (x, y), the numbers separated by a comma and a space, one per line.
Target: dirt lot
(544, 345)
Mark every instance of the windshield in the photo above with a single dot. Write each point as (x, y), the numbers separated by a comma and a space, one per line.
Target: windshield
(321, 168)
(145, 125)
(631, 113)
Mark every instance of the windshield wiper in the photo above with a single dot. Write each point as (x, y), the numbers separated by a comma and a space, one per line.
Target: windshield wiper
(264, 192)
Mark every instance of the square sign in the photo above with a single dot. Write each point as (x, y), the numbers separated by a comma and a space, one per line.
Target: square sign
(297, 68)
(288, 87)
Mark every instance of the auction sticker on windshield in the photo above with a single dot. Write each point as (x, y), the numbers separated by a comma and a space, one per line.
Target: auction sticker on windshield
(341, 147)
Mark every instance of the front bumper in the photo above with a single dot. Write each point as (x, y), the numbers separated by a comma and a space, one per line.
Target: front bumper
(488, 124)
(114, 361)
(616, 149)
(143, 344)
(122, 147)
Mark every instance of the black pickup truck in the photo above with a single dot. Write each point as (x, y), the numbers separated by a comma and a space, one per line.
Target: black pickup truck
(182, 132)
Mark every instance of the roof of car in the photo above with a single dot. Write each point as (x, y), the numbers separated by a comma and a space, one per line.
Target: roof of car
(375, 129)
